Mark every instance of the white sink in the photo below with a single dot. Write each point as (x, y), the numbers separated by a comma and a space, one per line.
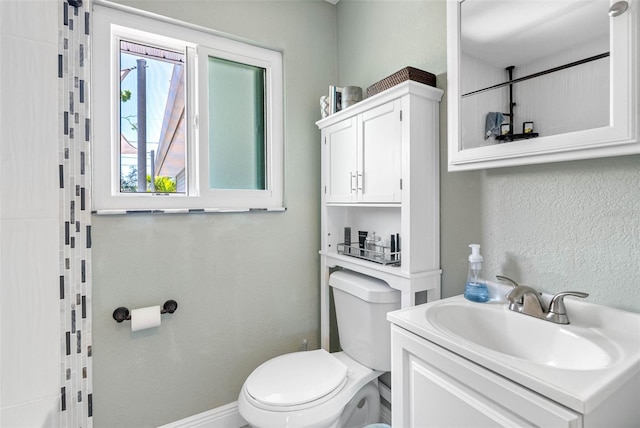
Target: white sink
(524, 337)
(578, 365)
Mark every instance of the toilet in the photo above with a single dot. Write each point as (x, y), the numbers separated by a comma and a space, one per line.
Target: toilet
(329, 390)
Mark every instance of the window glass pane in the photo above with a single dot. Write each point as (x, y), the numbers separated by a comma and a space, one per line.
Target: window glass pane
(152, 119)
(236, 125)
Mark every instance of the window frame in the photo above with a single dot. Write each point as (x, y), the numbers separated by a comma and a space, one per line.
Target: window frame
(114, 23)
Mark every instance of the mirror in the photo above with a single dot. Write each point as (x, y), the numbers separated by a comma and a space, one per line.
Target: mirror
(556, 52)
(532, 77)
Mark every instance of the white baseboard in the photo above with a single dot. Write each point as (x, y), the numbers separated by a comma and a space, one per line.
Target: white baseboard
(226, 416)
(385, 391)
(385, 412)
(385, 415)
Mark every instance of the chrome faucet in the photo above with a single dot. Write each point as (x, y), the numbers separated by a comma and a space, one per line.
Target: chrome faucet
(526, 300)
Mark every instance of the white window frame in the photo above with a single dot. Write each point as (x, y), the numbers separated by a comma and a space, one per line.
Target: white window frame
(114, 22)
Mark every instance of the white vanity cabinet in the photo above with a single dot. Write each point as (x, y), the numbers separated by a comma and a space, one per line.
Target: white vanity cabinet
(380, 173)
(457, 363)
(364, 157)
(433, 387)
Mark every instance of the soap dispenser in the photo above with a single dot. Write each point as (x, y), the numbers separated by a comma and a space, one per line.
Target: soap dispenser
(476, 288)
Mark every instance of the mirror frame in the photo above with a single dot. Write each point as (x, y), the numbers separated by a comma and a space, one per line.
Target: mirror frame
(617, 139)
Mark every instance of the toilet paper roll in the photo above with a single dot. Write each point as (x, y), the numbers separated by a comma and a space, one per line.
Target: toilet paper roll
(144, 318)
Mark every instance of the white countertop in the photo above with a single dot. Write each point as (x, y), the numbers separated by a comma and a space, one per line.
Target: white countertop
(615, 331)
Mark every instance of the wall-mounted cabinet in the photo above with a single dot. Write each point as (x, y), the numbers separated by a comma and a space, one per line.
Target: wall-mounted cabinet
(380, 173)
(364, 157)
(574, 78)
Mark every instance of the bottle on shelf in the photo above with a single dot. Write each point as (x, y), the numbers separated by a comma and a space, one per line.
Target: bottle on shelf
(372, 246)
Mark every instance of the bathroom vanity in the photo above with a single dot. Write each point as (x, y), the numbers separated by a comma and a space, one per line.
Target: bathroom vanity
(380, 173)
(460, 363)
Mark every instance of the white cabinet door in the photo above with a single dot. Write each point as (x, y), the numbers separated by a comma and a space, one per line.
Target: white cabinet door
(341, 161)
(363, 157)
(433, 387)
(379, 171)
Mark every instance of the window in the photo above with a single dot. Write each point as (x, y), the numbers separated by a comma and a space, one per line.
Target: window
(152, 133)
(236, 97)
(183, 118)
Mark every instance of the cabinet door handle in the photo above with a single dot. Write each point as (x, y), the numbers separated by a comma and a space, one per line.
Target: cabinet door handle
(360, 181)
(351, 177)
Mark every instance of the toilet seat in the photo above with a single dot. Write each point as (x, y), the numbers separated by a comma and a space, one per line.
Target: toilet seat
(296, 380)
(323, 412)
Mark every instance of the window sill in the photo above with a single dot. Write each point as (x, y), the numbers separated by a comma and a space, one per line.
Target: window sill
(189, 211)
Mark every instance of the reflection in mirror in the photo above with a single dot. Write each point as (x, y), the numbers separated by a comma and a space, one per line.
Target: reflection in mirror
(532, 68)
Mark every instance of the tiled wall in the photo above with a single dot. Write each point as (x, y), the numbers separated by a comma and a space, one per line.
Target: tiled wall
(29, 223)
(76, 398)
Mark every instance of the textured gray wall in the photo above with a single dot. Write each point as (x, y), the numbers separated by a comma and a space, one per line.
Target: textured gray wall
(246, 284)
(567, 226)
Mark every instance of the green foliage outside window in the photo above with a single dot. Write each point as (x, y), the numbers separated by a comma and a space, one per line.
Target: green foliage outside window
(129, 183)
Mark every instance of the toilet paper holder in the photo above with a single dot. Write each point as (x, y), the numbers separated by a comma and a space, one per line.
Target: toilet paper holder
(123, 314)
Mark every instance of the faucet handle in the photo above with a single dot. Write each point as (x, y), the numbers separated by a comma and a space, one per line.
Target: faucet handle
(557, 310)
(507, 279)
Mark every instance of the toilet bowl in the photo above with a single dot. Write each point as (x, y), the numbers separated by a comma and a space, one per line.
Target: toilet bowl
(322, 390)
(337, 392)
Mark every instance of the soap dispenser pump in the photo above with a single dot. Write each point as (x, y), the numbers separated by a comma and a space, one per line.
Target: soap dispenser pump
(476, 288)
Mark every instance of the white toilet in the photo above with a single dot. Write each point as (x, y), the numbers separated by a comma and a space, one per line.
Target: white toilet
(319, 389)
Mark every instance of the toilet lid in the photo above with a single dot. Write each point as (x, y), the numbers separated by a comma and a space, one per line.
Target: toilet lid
(296, 378)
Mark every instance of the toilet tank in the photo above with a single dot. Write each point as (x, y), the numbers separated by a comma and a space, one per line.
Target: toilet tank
(362, 303)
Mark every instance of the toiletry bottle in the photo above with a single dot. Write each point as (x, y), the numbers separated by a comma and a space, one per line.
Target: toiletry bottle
(376, 247)
(370, 246)
(362, 240)
(392, 244)
(476, 288)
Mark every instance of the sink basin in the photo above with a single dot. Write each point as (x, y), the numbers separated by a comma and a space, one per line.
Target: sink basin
(524, 337)
(577, 365)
